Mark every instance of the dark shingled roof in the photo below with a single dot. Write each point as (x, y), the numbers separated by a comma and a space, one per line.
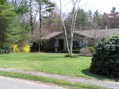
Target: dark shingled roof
(95, 34)
(99, 33)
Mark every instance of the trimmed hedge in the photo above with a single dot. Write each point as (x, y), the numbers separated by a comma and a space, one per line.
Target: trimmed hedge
(106, 59)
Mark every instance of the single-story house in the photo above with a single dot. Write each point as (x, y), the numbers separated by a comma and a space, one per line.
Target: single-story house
(56, 40)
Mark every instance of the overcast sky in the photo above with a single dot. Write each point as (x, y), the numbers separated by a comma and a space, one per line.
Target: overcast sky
(100, 5)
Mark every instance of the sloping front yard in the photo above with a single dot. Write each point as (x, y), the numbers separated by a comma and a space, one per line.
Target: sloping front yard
(47, 62)
(51, 64)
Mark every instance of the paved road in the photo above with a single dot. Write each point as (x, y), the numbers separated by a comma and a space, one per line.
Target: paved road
(103, 83)
(9, 83)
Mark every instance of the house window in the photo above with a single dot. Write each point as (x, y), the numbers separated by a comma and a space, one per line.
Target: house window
(83, 43)
(79, 44)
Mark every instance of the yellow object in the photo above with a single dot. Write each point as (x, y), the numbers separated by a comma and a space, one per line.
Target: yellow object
(16, 48)
(26, 48)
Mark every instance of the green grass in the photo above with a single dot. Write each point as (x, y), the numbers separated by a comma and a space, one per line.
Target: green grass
(47, 62)
(67, 84)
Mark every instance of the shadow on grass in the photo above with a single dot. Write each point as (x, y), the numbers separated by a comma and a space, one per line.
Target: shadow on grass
(99, 77)
(64, 56)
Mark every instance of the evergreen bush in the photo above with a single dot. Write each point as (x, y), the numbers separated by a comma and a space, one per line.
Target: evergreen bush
(106, 59)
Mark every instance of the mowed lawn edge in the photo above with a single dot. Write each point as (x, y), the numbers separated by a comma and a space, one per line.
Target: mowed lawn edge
(47, 62)
(55, 63)
(64, 83)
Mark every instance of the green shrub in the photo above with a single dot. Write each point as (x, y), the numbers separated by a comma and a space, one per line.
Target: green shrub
(18, 48)
(106, 59)
(85, 52)
(92, 49)
(4, 49)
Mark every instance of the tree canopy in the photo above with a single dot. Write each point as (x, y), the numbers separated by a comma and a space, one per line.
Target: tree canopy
(6, 15)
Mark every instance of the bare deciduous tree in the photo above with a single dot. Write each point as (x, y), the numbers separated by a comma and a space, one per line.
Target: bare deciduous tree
(75, 10)
(69, 37)
(64, 28)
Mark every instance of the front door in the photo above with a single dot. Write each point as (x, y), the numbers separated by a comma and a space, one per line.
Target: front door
(61, 45)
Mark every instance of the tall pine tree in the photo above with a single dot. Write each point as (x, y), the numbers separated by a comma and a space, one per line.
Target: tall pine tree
(6, 15)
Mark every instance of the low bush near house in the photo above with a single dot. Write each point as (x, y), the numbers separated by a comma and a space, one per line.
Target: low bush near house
(4, 49)
(17, 48)
(85, 52)
(26, 48)
(106, 59)
(92, 49)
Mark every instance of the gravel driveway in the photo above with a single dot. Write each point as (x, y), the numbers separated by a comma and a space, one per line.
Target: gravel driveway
(11, 83)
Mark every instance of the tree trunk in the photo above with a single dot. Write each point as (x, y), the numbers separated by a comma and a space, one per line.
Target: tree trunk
(64, 29)
(31, 16)
(69, 43)
(40, 23)
(73, 25)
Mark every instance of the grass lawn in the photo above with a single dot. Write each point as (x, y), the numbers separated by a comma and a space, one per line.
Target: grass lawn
(51, 63)
(48, 62)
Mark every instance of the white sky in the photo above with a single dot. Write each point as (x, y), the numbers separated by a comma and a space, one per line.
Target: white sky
(100, 5)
